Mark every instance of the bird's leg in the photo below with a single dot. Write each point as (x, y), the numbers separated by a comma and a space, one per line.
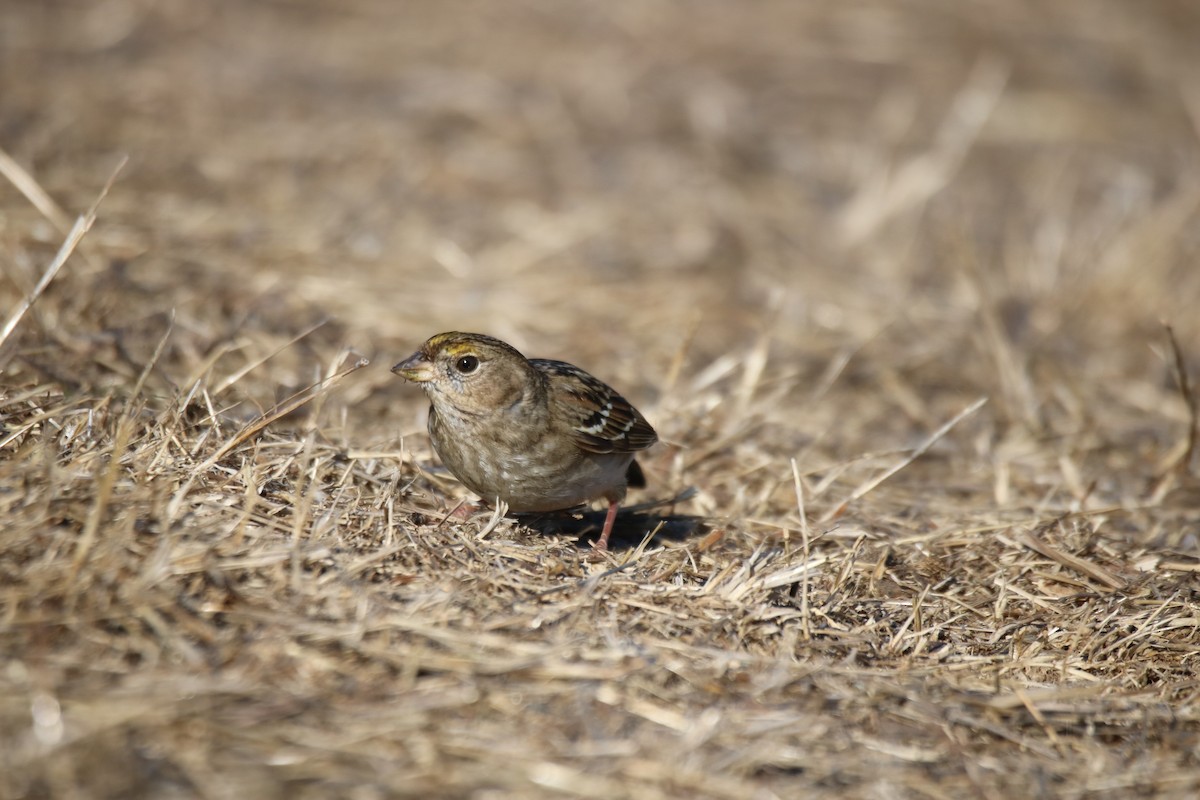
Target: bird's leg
(464, 511)
(609, 519)
(461, 511)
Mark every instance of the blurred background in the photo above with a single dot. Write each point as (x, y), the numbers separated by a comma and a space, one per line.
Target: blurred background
(913, 203)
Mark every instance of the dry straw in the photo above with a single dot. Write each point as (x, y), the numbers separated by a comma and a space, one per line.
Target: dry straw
(926, 522)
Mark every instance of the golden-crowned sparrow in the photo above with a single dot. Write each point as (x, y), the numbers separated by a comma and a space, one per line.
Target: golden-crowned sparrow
(538, 435)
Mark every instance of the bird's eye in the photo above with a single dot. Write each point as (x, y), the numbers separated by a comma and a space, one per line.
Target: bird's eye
(467, 364)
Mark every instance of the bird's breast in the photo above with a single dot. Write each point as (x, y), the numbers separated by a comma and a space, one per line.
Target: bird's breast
(528, 467)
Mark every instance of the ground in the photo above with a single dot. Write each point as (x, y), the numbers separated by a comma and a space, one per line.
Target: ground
(909, 291)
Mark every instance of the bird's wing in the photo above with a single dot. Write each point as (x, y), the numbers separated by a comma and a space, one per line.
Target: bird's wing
(600, 420)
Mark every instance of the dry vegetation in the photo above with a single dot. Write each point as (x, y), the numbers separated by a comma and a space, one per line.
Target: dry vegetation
(806, 238)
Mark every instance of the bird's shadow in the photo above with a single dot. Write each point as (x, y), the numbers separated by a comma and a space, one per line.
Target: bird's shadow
(629, 529)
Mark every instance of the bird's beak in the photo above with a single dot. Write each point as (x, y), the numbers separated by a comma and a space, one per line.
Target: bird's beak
(416, 368)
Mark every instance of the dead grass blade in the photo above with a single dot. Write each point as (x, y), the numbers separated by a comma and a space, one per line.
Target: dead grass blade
(862, 490)
(74, 237)
(251, 429)
(1080, 565)
(1184, 465)
(917, 180)
(246, 370)
(282, 409)
(19, 177)
(105, 485)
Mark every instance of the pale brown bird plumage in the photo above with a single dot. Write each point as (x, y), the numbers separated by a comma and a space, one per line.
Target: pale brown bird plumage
(537, 434)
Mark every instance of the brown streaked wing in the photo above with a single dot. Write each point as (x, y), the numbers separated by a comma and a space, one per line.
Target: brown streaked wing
(603, 421)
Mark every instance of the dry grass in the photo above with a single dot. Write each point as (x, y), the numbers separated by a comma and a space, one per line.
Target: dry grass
(807, 239)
